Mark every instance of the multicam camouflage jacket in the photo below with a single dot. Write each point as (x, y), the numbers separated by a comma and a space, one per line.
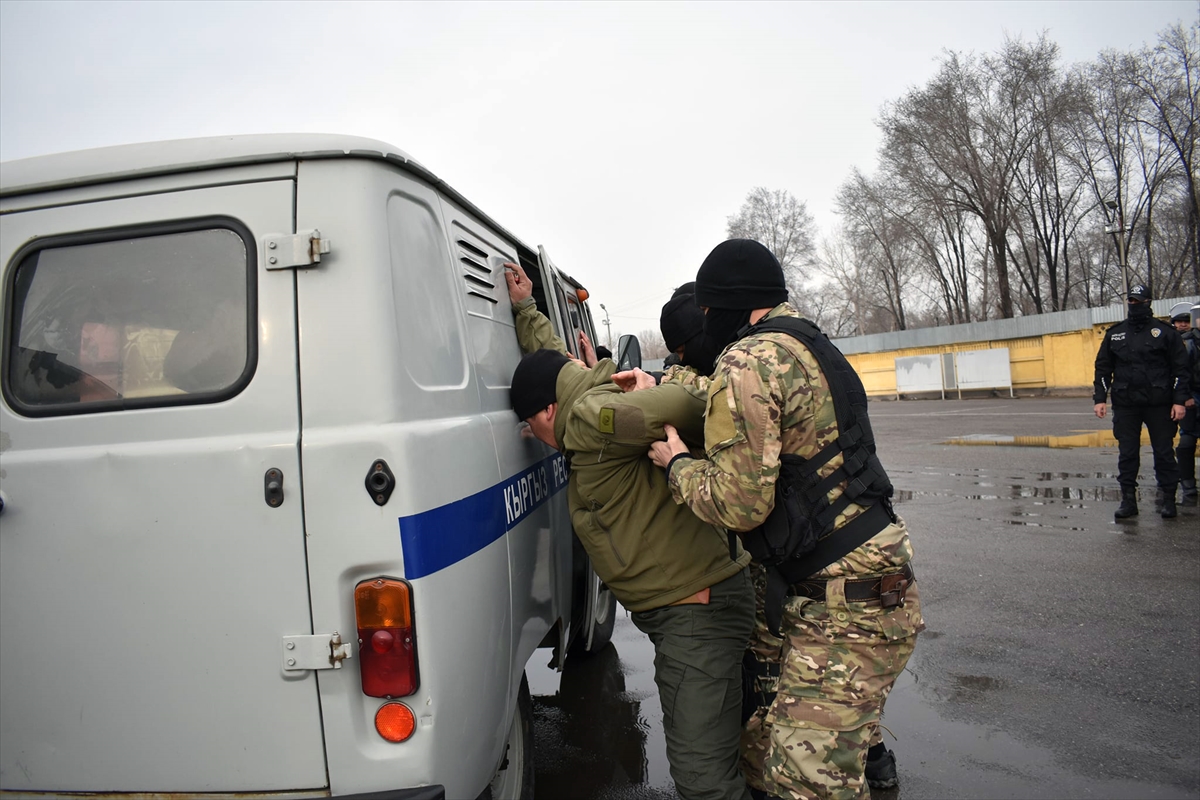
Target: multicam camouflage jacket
(768, 397)
(686, 376)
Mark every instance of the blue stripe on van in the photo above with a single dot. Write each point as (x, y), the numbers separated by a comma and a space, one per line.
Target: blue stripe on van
(435, 539)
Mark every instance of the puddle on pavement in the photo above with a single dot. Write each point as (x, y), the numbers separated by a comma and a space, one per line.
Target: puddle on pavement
(951, 755)
(1087, 439)
(598, 734)
(1079, 494)
(598, 725)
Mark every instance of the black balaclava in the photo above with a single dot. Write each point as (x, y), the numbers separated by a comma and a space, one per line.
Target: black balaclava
(681, 319)
(1139, 312)
(1140, 315)
(534, 382)
(682, 325)
(739, 276)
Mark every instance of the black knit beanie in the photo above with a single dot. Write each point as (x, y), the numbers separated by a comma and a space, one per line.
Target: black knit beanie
(740, 274)
(534, 380)
(681, 319)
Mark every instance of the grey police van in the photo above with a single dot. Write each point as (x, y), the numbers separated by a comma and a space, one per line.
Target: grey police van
(269, 525)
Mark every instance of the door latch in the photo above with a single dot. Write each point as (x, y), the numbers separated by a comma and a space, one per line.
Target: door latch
(273, 487)
(323, 651)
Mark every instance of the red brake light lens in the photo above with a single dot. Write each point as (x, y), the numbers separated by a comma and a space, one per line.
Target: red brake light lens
(387, 641)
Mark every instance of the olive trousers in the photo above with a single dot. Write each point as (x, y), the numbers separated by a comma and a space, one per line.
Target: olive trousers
(698, 669)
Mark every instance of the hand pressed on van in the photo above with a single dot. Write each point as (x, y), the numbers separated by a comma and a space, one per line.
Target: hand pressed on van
(587, 351)
(519, 285)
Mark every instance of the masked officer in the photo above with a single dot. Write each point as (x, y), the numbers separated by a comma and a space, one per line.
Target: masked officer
(1142, 362)
(1189, 428)
(850, 622)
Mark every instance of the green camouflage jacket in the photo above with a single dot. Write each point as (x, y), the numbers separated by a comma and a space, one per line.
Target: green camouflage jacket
(768, 397)
(646, 548)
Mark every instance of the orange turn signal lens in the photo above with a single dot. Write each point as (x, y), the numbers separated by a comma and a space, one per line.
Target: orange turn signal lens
(383, 603)
(582, 294)
(395, 722)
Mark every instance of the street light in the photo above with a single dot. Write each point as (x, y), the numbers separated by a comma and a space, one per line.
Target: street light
(607, 325)
(1117, 227)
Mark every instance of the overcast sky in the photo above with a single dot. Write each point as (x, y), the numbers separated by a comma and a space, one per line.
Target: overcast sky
(619, 135)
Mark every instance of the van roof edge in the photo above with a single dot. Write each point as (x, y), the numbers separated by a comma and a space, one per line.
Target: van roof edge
(149, 159)
(146, 159)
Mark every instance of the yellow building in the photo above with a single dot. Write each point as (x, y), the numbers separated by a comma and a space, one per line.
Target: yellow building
(1047, 353)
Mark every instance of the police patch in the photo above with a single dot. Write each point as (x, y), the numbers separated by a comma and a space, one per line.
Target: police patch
(608, 420)
(1155, 332)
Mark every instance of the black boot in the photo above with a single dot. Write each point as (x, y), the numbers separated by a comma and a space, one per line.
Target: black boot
(1128, 507)
(1168, 502)
(881, 768)
(1189, 495)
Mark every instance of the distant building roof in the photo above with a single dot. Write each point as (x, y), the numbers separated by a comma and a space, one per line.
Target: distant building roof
(997, 329)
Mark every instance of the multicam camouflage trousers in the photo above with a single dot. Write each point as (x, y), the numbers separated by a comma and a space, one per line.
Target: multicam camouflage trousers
(839, 662)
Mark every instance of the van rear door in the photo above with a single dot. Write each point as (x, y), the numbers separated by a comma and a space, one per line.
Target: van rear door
(146, 576)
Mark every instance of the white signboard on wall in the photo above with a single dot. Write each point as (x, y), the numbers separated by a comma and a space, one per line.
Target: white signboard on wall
(983, 369)
(919, 374)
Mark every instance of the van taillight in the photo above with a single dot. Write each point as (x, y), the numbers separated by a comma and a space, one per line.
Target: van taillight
(386, 639)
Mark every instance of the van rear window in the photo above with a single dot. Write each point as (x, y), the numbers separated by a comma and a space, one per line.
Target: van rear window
(132, 322)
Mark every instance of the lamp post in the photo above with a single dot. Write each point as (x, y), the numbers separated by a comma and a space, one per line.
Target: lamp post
(1117, 227)
(607, 325)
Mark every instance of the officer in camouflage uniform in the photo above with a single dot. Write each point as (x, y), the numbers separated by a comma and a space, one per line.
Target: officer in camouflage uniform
(843, 648)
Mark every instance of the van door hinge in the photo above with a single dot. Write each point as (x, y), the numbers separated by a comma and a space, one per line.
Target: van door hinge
(288, 250)
(323, 651)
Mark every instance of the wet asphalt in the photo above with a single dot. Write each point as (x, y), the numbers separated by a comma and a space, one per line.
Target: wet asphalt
(1062, 656)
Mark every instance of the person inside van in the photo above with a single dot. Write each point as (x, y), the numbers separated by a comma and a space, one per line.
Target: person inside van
(684, 581)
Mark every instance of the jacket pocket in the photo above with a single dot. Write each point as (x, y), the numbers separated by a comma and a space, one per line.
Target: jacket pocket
(612, 541)
(600, 541)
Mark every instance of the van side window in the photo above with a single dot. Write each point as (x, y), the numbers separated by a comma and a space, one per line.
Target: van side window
(132, 322)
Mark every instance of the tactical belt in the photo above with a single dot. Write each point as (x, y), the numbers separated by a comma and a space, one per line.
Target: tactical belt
(887, 590)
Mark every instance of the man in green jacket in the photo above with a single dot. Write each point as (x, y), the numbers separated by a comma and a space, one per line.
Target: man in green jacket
(684, 581)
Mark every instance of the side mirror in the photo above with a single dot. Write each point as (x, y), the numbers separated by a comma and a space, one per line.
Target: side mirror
(629, 352)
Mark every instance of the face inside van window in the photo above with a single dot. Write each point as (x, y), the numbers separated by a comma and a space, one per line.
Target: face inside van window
(131, 322)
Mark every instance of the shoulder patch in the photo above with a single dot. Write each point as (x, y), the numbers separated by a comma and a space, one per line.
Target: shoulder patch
(1156, 332)
(624, 422)
(719, 427)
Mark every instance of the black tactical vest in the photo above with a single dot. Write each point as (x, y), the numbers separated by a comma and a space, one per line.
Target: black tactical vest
(798, 538)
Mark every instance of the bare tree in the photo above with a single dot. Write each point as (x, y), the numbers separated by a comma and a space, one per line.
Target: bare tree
(784, 226)
(652, 344)
(846, 286)
(1168, 78)
(881, 239)
(966, 134)
(995, 182)
(1055, 195)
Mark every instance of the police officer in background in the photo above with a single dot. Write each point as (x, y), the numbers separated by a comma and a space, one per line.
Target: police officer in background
(1143, 363)
(1189, 428)
(851, 619)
